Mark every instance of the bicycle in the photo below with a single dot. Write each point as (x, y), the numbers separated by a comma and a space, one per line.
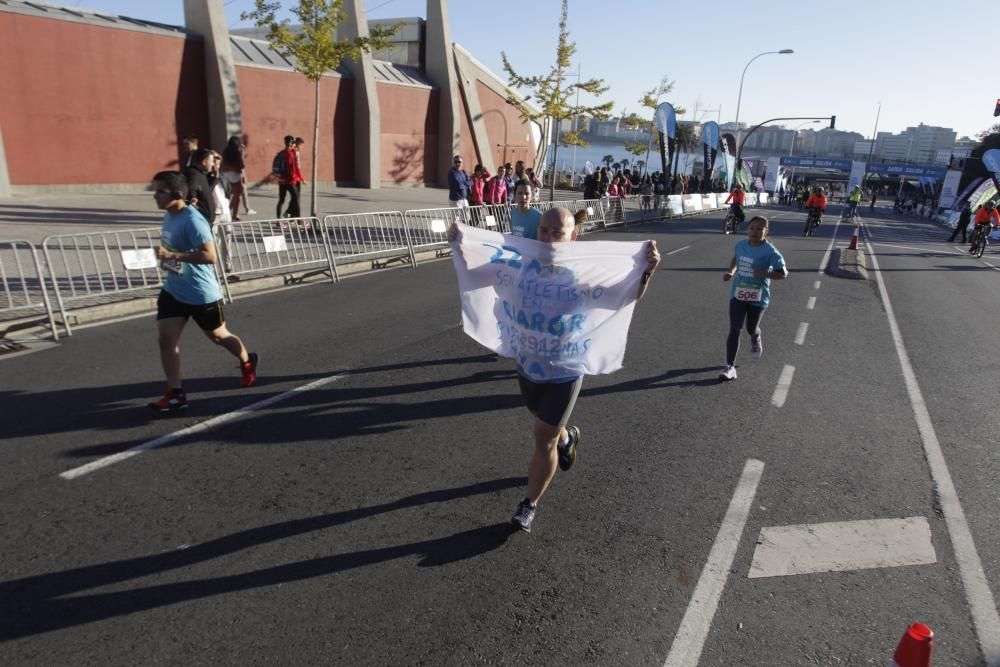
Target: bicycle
(812, 221)
(980, 239)
(731, 224)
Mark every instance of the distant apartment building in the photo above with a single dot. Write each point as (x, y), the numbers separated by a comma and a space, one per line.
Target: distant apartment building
(923, 144)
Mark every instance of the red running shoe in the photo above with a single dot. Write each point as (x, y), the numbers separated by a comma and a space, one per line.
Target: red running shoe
(172, 401)
(249, 370)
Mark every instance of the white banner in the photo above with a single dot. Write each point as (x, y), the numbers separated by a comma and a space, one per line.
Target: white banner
(136, 260)
(771, 177)
(560, 309)
(949, 189)
(857, 174)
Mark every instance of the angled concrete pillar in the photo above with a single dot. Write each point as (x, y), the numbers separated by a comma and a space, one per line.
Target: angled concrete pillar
(5, 190)
(441, 71)
(367, 113)
(208, 19)
(467, 78)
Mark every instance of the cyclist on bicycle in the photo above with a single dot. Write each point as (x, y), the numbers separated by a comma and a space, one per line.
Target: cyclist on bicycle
(817, 201)
(736, 197)
(986, 217)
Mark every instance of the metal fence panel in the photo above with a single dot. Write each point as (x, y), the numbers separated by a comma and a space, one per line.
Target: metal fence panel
(378, 237)
(265, 247)
(595, 213)
(22, 281)
(428, 227)
(90, 267)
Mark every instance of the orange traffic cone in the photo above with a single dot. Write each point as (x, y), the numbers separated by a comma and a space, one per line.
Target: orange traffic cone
(854, 239)
(914, 648)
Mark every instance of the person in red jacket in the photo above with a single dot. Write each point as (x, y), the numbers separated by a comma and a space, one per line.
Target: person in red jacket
(817, 200)
(736, 199)
(496, 189)
(290, 179)
(986, 217)
(478, 187)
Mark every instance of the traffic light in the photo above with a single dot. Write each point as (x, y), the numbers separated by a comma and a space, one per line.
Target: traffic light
(833, 119)
(996, 112)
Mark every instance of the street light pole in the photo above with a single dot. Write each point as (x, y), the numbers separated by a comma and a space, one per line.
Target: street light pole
(739, 99)
(576, 124)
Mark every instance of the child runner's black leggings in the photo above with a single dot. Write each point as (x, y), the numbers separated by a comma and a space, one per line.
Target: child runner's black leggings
(740, 311)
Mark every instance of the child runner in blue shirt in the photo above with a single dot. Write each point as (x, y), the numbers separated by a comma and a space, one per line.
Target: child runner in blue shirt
(524, 220)
(755, 263)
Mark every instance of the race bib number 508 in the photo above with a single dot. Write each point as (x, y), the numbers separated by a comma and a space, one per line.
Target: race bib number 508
(748, 293)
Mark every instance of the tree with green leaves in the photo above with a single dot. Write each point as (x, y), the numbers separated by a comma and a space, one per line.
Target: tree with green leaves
(607, 160)
(315, 49)
(640, 165)
(685, 141)
(617, 166)
(553, 95)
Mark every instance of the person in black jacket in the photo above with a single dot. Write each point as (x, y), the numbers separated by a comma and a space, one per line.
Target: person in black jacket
(199, 189)
(963, 221)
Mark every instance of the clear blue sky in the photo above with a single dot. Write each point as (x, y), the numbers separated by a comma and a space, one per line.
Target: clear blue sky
(926, 60)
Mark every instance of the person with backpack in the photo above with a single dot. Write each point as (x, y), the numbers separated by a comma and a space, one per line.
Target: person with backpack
(285, 167)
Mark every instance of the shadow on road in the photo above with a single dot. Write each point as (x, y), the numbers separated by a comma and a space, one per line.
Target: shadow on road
(36, 604)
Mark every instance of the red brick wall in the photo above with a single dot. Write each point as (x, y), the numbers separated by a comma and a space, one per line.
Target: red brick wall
(409, 133)
(505, 126)
(276, 103)
(87, 104)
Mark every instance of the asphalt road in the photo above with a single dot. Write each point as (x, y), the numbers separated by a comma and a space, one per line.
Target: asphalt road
(363, 520)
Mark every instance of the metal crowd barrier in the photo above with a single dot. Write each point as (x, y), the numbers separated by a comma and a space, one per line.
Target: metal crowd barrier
(22, 281)
(265, 247)
(379, 238)
(91, 266)
(595, 213)
(428, 227)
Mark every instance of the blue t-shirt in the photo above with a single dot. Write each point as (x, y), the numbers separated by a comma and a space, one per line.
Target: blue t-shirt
(764, 257)
(187, 231)
(525, 224)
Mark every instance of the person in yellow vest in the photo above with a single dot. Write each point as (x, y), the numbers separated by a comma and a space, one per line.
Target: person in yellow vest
(853, 200)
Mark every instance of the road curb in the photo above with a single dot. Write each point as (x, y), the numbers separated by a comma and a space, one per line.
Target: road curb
(850, 264)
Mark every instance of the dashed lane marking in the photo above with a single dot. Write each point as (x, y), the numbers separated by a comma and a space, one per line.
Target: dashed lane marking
(977, 588)
(817, 284)
(842, 546)
(690, 638)
(811, 303)
(829, 249)
(673, 252)
(800, 335)
(784, 384)
(80, 471)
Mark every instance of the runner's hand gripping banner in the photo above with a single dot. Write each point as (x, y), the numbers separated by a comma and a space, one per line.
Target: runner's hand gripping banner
(560, 309)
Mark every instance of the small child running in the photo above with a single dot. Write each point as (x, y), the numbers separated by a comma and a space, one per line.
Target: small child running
(755, 263)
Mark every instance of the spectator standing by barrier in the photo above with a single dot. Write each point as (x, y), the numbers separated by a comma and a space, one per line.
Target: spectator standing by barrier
(285, 167)
(223, 213)
(496, 189)
(199, 191)
(523, 219)
(647, 192)
(536, 185)
(477, 186)
(191, 290)
(509, 183)
(233, 173)
(458, 184)
(190, 145)
(616, 193)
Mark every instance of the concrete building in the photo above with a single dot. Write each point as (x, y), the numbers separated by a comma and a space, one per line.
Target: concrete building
(918, 145)
(103, 82)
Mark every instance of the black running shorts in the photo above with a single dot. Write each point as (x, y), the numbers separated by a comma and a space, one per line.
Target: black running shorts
(208, 316)
(552, 402)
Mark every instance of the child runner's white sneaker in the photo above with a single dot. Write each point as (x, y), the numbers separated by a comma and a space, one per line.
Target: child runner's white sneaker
(756, 348)
(728, 373)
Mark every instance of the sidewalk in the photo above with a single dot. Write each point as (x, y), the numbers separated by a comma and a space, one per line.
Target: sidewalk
(32, 218)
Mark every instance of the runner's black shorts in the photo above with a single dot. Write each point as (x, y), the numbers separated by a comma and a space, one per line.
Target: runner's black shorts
(552, 402)
(208, 316)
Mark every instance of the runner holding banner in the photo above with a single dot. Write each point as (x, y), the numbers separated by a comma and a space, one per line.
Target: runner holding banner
(666, 124)
(561, 310)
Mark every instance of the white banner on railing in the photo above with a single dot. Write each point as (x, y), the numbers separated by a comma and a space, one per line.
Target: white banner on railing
(858, 168)
(137, 260)
(275, 244)
(771, 177)
(560, 309)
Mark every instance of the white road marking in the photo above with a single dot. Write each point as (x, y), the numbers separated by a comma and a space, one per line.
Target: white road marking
(811, 303)
(829, 249)
(784, 383)
(690, 638)
(909, 247)
(842, 546)
(191, 430)
(800, 335)
(817, 284)
(977, 588)
(678, 250)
